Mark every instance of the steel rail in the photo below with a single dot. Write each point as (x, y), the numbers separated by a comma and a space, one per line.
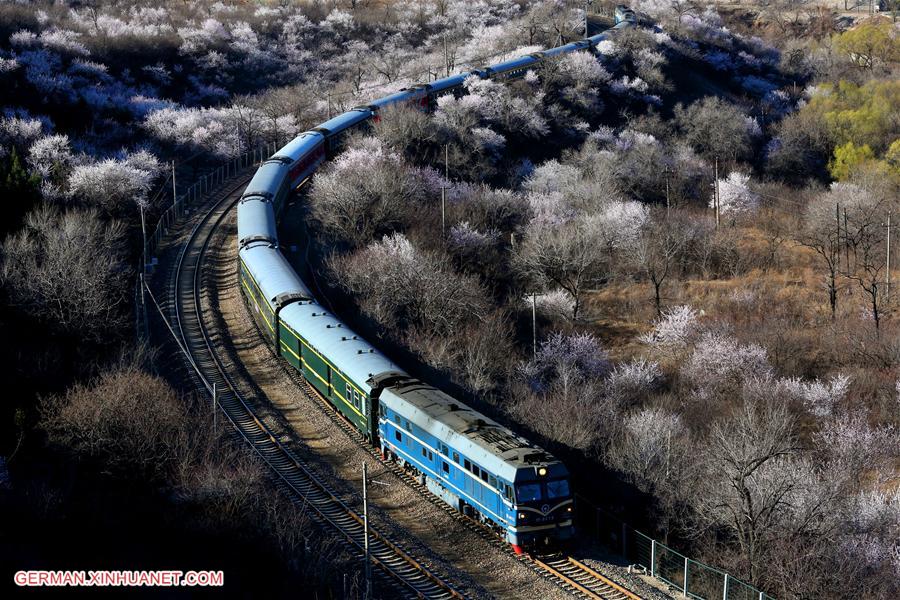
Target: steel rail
(581, 579)
(409, 577)
(573, 576)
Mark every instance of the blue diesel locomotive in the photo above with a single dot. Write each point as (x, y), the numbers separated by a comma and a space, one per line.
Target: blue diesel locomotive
(471, 462)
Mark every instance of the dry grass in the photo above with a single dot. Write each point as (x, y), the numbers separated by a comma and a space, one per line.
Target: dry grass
(782, 304)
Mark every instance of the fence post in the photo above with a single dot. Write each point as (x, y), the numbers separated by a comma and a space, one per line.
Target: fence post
(652, 558)
(685, 576)
(725, 588)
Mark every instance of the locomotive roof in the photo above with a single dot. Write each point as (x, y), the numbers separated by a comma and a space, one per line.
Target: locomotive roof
(482, 440)
(344, 349)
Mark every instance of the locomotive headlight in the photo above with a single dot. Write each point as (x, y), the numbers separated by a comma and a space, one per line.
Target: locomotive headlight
(568, 509)
(542, 471)
(522, 516)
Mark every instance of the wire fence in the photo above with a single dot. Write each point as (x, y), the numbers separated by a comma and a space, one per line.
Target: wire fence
(181, 206)
(197, 190)
(692, 578)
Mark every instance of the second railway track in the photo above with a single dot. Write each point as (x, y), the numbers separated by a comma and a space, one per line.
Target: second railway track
(405, 576)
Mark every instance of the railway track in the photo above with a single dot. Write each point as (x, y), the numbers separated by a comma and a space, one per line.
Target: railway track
(399, 574)
(580, 579)
(566, 572)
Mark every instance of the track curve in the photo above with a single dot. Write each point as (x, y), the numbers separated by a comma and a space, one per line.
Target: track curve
(399, 572)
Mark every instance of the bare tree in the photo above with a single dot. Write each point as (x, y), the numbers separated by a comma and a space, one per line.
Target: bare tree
(127, 418)
(821, 232)
(247, 121)
(715, 128)
(408, 131)
(568, 256)
(67, 269)
(654, 451)
(750, 472)
(364, 193)
(658, 250)
(866, 237)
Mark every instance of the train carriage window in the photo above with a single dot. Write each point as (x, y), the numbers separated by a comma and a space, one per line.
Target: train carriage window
(467, 464)
(399, 436)
(445, 467)
(424, 452)
(430, 456)
(492, 481)
(484, 475)
(456, 457)
(349, 392)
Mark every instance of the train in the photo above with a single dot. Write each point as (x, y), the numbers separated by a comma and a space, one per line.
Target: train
(468, 460)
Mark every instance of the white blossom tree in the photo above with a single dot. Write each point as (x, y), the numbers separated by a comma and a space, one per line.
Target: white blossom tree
(736, 199)
(720, 363)
(674, 330)
(116, 187)
(566, 360)
(364, 193)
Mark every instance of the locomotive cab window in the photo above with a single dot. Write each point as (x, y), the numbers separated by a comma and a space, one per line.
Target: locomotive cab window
(528, 492)
(558, 488)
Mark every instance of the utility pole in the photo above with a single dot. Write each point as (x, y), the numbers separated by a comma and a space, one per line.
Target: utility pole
(174, 189)
(837, 214)
(447, 162)
(668, 206)
(534, 323)
(586, 4)
(444, 191)
(887, 261)
(444, 211)
(368, 594)
(716, 193)
(144, 234)
(143, 302)
(846, 242)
